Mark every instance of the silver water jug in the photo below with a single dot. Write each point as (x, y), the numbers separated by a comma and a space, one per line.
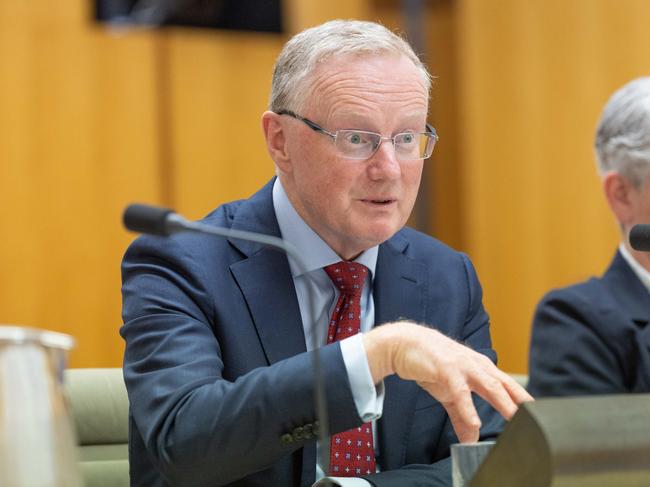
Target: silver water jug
(37, 441)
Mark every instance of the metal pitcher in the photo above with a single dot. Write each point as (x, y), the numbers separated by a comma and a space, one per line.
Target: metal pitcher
(37, 441)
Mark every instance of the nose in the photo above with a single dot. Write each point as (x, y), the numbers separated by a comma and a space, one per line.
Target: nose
(383, 165)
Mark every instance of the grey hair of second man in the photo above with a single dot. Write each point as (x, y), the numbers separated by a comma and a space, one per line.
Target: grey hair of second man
(623, 133)
(304, 51)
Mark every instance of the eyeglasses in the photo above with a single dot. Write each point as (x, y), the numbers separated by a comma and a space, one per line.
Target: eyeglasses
(359, 144)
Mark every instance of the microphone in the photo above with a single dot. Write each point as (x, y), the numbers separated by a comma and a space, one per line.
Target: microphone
(164, 222)
(151, 220)
(640, 237)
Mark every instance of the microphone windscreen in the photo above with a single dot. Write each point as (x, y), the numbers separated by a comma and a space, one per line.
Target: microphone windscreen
(640, 237)
(147, 219)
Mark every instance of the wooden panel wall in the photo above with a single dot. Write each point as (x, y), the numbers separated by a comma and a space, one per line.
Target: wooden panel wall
(533, 77)
(77, 141)
(218, 89)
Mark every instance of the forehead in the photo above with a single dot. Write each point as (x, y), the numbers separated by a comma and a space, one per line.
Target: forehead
(367, 85)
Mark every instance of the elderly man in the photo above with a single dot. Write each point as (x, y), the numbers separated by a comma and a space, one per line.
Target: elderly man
(593, 337)
(218, 333)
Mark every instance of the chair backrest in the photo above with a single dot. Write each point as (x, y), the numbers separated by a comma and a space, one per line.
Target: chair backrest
(99, 407)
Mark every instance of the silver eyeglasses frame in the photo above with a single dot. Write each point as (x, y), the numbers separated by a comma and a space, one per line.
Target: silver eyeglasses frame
(430, 134)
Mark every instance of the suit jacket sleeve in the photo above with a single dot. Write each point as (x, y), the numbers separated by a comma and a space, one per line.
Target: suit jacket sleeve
(474, 331)
(199, 428)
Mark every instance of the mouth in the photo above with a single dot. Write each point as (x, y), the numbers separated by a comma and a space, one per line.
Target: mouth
(379, 201)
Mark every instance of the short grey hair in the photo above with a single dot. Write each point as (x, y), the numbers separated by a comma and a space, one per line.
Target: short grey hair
(623, 133)
(304, 51)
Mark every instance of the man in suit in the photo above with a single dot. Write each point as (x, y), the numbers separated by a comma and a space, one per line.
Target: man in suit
(218, 360)
(593, 337)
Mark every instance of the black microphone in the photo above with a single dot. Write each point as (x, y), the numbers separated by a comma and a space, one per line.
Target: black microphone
(150, 219)
(164, 222)
(640, 237)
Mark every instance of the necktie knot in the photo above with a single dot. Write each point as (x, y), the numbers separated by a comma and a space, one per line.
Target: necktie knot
(348, 277)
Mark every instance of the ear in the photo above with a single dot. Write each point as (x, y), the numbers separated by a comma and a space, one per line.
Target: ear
(620, 194)
(276, 141)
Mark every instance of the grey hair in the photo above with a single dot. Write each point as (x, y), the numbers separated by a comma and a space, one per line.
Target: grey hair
(305, 50)
(623, 133)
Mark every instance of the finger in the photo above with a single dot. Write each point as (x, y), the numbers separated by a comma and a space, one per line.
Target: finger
(495, 393)
(517, 392)
(461, 411)
(504, 383)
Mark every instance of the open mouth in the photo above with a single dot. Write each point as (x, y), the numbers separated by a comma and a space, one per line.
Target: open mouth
(380, 202)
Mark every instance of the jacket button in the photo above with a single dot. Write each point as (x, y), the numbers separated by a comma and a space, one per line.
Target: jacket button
(309, 433)
(298, 433)
(286, 439)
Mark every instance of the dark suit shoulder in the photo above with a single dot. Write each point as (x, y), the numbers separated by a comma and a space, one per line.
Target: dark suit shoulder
(581, 342)
(223, 215)
(588, 303)
(188, 244)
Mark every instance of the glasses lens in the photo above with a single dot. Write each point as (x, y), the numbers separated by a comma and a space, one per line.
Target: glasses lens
(356, 144)
(413, 146)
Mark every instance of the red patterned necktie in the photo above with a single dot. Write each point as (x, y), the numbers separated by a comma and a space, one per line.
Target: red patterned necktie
(352, 452)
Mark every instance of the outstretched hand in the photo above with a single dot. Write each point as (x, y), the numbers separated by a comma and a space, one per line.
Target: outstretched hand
(446, 369)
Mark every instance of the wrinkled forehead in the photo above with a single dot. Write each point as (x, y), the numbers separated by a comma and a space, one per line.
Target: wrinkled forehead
(366, 82)
(367, 69)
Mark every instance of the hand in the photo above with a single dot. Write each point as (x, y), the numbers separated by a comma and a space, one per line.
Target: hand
(446, 369)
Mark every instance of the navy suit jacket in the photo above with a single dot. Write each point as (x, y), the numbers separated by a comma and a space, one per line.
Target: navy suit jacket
(593, 337)
(217, 370)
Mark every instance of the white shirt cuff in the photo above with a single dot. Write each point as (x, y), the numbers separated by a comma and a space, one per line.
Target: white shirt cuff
(368, 398)
(343, 482)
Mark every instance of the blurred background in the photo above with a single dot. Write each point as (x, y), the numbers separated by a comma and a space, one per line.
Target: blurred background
(96, 113)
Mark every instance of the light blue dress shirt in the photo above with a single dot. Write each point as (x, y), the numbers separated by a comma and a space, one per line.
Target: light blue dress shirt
(317, 254)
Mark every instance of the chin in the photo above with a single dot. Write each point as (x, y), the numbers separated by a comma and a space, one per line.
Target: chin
(379, 233)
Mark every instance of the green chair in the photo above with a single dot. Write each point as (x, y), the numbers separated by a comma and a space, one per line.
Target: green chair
(99, 407)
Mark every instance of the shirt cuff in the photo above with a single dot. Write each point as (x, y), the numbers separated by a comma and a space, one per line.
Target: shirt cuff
(342, 482)
(368, 398)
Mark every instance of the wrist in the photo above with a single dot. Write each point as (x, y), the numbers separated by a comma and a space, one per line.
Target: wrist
(379, 344)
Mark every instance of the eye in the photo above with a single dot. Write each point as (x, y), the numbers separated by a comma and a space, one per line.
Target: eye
(408, 138)
(354, 138)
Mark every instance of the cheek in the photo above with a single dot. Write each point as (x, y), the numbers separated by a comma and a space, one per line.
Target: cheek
(325, 188)
(412, 178)
(336, 182)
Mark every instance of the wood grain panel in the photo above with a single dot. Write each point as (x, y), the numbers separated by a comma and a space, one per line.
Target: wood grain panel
(77, 141)
(218, 90)
(534, 77)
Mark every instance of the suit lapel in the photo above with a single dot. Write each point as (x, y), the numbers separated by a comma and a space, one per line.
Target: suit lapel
(399, 291)
(265, 280)
(266, 283)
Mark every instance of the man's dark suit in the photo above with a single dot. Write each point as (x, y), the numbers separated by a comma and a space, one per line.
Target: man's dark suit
(217, 371)
(593, 338)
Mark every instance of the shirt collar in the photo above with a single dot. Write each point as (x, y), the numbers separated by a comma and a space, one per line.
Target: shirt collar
(638, 269)
(313, 249)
